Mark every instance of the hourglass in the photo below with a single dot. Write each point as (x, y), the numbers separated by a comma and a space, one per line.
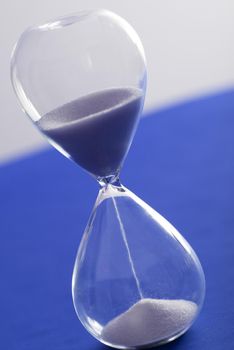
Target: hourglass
(82, 80)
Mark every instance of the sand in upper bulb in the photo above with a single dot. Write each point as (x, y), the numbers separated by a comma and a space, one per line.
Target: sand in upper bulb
(149, 321)
(95, 130)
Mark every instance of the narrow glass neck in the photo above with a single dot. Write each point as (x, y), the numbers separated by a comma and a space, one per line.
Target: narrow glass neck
(110, 187)
(112, 180)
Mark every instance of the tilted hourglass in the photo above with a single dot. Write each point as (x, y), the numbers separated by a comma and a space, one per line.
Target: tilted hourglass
(82, 79)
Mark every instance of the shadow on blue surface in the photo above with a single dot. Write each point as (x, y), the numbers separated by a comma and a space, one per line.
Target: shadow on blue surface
(176, 344)
(181, 163)
(181, 343)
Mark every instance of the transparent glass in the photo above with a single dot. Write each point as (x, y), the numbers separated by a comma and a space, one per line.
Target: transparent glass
(82, 79)
(136, 281)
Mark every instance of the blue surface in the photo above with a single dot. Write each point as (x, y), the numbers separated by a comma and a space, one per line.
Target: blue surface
(181, 163)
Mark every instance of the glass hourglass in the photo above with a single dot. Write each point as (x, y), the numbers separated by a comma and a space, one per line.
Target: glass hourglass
(82, 80)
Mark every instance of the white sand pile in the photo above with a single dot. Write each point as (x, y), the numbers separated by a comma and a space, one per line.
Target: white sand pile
(149, 321)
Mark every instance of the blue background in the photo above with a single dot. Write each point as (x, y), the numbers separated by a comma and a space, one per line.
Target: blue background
(181, 163)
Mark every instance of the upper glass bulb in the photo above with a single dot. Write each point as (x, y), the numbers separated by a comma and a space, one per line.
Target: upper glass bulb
(82, 80)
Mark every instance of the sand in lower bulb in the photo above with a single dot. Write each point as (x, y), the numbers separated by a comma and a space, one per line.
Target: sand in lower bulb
(149, 321)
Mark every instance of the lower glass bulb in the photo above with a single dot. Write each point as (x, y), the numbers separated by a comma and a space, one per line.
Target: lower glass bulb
(136, 281)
